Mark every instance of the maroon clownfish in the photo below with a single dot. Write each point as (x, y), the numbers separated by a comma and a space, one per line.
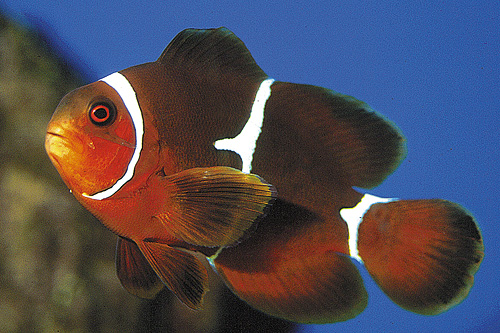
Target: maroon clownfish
(178, 156)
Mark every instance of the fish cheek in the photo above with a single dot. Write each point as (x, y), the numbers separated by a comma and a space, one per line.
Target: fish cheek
(123, 129)
(104, 163)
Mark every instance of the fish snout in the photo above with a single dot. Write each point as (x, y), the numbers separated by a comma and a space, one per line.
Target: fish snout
(59, 142)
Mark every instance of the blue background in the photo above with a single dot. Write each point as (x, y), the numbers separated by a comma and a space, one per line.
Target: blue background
(431, 67)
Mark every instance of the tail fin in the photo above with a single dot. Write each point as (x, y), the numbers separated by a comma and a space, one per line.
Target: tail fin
(422, 253)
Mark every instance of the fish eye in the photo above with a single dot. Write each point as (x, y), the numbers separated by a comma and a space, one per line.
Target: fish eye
(102, 113)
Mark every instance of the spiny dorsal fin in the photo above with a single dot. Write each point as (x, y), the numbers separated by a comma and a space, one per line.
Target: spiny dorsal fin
(213, 78)
(213, 51)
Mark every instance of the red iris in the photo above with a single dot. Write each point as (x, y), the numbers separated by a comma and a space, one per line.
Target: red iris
(102, 114)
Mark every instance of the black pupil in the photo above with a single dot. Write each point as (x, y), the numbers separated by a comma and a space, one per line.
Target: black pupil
(101, 113)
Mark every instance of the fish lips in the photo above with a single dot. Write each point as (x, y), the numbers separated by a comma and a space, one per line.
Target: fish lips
(59, 143)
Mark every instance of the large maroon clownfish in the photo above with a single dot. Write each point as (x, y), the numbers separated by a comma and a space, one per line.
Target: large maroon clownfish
(177, 156)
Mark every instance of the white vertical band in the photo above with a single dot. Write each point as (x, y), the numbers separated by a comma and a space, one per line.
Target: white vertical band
(245, 142)
(354, 216)
(120, 83)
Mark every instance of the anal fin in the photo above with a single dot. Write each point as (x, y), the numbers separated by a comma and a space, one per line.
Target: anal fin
(319, 288)
(295, 267)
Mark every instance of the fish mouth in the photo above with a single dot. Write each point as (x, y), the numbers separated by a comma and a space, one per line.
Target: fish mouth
(59, 143)
(56, 145)
(51, 134)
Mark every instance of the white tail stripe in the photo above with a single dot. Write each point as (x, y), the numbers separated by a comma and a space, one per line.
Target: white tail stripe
(353, 217)
(244, 143)
(124, 89)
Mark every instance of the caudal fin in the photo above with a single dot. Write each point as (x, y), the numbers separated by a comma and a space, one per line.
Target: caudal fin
(422, 253)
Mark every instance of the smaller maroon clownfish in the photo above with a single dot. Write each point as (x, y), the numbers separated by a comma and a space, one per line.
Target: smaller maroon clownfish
(172, 155)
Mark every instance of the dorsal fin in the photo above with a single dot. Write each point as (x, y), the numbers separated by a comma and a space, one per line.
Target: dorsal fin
(204, 82)
(339, 141)
(213, 51)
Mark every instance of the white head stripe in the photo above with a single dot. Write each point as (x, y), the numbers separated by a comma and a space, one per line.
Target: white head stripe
(245, 142)
(120, 83)
(354, 216)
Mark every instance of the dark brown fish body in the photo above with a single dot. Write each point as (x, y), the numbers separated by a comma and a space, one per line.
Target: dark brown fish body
(155, 152)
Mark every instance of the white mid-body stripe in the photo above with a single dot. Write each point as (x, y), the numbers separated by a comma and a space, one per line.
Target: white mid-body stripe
(353, 217)
(124, 89)
(245, 142)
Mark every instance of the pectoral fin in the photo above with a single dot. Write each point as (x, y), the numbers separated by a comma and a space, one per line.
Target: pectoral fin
(214, 206)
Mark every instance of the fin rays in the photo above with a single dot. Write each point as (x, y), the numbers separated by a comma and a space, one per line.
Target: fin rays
(134, 271)
(215, 206)
(216, 51)
(180, 271)
(422, 253)
(146, 267)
